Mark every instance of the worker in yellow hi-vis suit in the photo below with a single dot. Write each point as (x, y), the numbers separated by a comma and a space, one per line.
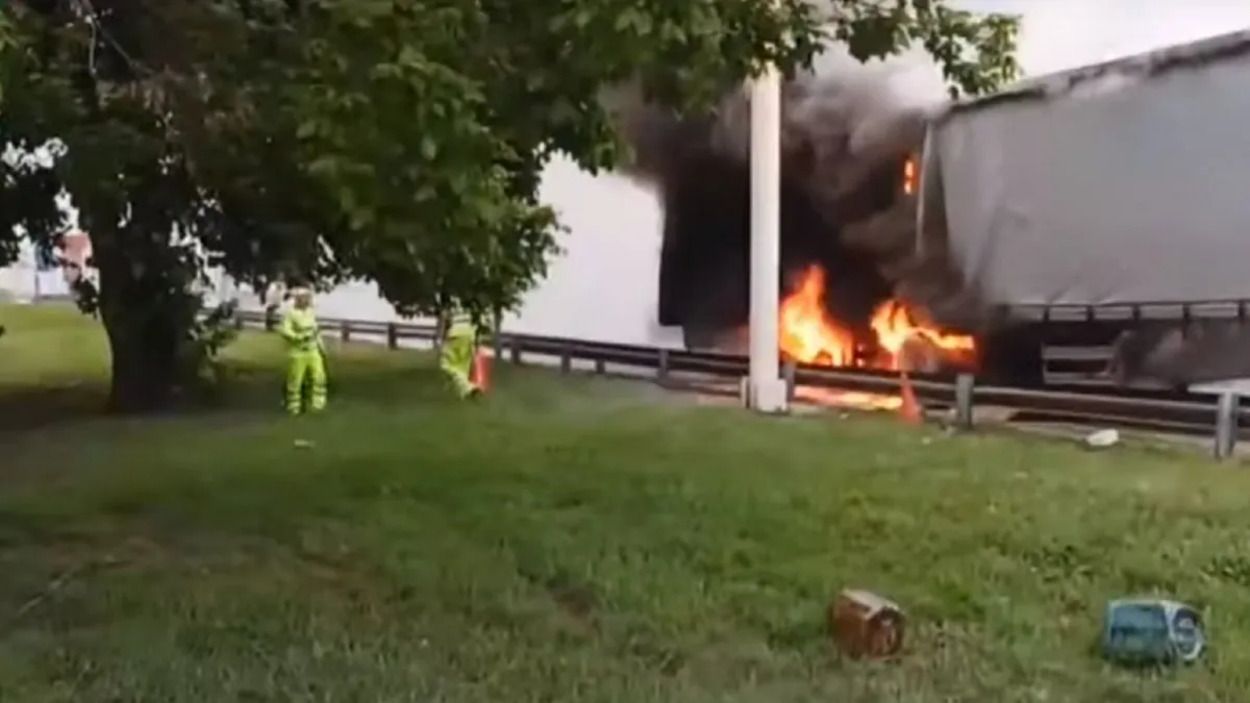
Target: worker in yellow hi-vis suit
(457, 357)
(305, 354)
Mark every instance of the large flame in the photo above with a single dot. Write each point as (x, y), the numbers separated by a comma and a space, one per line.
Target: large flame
(809, 335)
(894, 326)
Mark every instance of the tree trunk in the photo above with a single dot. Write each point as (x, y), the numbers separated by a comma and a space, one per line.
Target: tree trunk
(144, 362)
(146, 326)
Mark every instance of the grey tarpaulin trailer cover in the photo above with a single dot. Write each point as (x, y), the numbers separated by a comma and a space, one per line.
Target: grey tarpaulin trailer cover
(1123, 183)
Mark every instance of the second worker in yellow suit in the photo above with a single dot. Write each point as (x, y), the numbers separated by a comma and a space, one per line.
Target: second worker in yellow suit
(305, 355)
(457, 356)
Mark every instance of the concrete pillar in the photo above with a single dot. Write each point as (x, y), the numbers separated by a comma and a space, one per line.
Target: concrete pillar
(765, 389)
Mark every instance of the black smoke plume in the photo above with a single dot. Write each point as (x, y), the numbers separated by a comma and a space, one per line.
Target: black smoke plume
(848, 129)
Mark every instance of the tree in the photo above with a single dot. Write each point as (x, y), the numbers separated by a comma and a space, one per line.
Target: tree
(976, 52)
(82, 115)
(395, 140)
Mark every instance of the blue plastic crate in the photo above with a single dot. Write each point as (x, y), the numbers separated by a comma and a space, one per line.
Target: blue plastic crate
(1146, 632)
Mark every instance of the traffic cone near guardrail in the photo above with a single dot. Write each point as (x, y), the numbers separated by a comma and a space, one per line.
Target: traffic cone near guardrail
(479, 375)
(911, 410)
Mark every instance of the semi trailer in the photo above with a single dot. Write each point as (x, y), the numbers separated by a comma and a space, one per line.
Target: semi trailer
(1100, 218)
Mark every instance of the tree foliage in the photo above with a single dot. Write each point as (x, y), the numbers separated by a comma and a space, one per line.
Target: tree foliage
(433, 155)
(976, 52)
(394, 140)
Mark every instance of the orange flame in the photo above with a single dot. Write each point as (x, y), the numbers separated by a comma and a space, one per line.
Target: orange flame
(894, 326)
(808, 335)
(910, 177)
(850, 399)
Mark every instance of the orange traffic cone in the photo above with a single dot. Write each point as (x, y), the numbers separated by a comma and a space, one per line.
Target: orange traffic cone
(479, 375)
(911, 410)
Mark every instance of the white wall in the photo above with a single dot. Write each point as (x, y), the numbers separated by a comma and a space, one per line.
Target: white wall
(603, 287)
(17, 281)
(21, 283)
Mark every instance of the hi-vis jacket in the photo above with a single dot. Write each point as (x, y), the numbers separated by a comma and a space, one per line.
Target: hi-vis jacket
(300, 330)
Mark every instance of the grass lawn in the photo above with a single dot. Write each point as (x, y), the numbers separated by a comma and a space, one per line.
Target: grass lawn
(568, 539)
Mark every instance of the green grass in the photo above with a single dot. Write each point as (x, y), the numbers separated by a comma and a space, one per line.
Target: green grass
(570, 540)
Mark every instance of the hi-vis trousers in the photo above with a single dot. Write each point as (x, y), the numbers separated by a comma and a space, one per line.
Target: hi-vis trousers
(305, 365)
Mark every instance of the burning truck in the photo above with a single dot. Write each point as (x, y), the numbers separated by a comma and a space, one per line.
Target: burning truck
(1096, 216)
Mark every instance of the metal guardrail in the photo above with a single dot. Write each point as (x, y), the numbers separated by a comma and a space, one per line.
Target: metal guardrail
(1220, 417)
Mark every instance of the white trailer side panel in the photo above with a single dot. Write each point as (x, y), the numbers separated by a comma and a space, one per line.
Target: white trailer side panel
(1127, 184)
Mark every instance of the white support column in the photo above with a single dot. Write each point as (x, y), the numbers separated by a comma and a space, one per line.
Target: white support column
(765, 390)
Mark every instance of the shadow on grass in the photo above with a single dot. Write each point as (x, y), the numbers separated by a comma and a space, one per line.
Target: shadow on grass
(356, 375)
(246, 386)
(54, 371)
(32, 407)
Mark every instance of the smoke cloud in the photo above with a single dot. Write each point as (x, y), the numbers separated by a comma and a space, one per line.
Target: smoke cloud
(848, 128)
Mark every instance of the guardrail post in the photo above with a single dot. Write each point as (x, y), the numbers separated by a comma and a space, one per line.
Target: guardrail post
(516, 351)
(345, 330)
(392, 335)
(965, 387)
(442, 326)
(238, 320)
(790, 372)
(601, 366)
(566, 359)
(271, 319)
(662, 367)
(497, 340)
(1226, 425)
